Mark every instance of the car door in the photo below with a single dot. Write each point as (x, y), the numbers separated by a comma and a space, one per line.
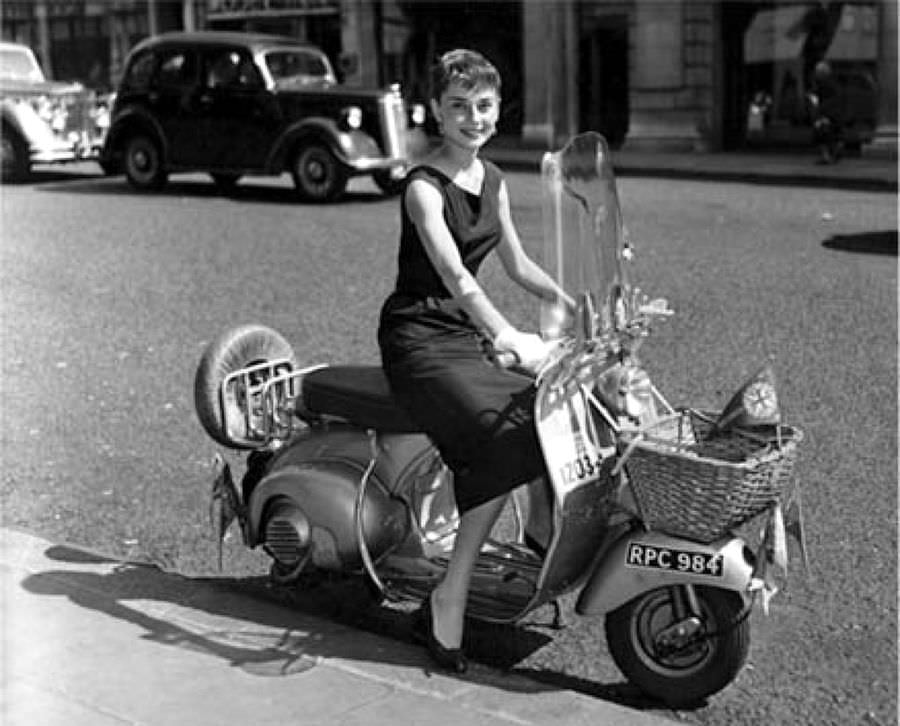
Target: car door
(241, 116)
(174, 82)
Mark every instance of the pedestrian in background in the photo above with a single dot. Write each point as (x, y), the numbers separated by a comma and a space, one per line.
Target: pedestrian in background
(455, 211)
(828, 131)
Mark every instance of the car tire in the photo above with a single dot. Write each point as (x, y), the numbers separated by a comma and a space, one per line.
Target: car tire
(389, 185)
(318, 174)
(225, 181)
(144, 164)
(236, 348)
(16, 165)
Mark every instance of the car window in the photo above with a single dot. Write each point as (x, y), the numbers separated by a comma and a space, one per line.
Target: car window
(140, 71)
(176, 68)
(19, 64)
(232, 69)
(299, 66)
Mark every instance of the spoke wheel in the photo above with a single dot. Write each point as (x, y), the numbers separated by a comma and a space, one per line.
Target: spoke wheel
(703, 665)
(143, 163)
(318, 175)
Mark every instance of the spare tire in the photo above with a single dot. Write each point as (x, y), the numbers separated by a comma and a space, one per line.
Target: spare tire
(234, 349)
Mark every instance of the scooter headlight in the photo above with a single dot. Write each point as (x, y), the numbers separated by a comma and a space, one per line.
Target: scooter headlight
(627, 390)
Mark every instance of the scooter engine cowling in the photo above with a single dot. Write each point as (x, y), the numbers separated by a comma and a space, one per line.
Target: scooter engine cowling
(287, 534)
(296, 507)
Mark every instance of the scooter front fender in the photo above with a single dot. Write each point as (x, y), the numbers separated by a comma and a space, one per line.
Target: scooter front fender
(643, 561)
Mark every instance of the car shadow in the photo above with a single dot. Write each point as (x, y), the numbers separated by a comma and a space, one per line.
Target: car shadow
(282, 639)
(246, 191)
(876, 243)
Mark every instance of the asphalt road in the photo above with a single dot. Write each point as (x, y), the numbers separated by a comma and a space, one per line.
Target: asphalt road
(108, 298)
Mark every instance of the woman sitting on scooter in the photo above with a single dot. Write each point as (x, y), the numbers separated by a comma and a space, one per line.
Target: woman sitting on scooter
(455, 211)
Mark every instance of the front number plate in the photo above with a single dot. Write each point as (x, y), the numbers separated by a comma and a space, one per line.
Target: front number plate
(665, 558)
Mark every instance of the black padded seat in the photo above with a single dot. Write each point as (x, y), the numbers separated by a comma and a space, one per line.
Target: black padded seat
(359, 394)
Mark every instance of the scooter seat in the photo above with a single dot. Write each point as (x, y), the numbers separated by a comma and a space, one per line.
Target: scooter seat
(358, 394)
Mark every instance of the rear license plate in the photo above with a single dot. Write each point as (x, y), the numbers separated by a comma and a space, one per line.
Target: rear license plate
(665, 558)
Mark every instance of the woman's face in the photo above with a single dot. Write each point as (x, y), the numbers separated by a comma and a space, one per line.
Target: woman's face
(468, 116)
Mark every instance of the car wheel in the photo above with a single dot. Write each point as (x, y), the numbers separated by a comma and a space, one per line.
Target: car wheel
(318, 175)
(143, 163)
(388, 184)
(221, 413)
(14, 157)
(225, 181)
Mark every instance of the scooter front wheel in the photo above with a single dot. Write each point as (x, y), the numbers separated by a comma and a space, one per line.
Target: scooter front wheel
(680, 661)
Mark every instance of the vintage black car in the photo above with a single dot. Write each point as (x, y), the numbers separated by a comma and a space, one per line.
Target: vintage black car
(234, 104)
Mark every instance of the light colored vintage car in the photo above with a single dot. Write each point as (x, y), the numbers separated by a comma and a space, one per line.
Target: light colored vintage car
(45, 121)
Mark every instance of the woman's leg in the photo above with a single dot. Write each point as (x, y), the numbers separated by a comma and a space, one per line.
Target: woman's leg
(448, 601)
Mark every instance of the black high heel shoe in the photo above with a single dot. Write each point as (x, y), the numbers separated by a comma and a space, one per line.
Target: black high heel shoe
(451, 659)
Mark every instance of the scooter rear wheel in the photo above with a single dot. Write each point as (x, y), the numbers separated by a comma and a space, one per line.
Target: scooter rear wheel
(679, 676)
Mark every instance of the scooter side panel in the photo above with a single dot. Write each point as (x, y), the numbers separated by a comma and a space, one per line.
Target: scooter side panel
(320, 473)
(642, 561)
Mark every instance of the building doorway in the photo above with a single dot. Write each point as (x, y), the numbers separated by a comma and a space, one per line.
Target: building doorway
(603, 78)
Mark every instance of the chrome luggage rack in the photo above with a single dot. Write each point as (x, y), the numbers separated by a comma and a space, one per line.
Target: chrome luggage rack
(268, 397)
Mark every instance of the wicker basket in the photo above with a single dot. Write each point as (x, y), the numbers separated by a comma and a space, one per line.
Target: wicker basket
(696, 488)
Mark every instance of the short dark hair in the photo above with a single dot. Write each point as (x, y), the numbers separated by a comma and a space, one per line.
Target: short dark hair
(467, 67)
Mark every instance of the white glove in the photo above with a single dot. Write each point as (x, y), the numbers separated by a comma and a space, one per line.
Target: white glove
(529, 348)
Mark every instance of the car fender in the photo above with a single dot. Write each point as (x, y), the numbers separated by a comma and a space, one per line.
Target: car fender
(125, 121)
(620, 576)
(348, 146)
(19, 116)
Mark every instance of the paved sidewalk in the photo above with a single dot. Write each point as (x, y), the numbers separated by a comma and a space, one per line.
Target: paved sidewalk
(88, 640)
(867, 172)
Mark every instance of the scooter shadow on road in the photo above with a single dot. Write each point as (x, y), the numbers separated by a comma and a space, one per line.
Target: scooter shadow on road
(256, 632)
(245, 191)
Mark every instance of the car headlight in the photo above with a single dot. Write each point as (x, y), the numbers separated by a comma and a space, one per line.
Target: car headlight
(351, 117)
(626, 389)
(52, 112)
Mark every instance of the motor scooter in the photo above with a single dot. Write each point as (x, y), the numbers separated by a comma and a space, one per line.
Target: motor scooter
(339, 478)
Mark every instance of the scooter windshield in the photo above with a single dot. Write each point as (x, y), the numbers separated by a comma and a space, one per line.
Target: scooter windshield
(584, 246)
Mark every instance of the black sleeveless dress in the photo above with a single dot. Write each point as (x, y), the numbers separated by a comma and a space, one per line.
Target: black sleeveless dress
(480, 417)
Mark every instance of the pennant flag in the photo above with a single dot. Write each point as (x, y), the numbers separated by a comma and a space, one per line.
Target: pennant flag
(793, 525)
(755, 404)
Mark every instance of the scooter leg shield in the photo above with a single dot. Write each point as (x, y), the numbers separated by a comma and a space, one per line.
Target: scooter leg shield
(643, 561)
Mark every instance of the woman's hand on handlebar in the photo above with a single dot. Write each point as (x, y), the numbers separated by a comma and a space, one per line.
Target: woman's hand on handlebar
(515, 348)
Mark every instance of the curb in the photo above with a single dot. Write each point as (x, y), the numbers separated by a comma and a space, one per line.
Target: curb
(95, 640)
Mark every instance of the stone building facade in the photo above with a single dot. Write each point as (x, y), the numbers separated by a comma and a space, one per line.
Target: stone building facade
(647, 73)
